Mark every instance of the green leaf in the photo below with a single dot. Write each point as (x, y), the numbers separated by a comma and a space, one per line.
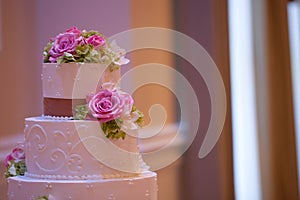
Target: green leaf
(83, 50)
(66, 58)
(42, 198)
(81, 112)
(112, 129)
(46, 52)
(20, 167)
(113, 67)
(140, 120)
(87, 34)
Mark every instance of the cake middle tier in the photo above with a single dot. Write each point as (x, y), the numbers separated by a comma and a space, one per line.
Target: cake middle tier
(78, 149)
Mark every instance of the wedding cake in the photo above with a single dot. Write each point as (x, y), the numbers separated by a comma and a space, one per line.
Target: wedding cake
(85, 145)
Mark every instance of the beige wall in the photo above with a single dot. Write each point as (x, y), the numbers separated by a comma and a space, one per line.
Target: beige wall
(19, 64)
(144, 14)
(148, 14)
(19, 75)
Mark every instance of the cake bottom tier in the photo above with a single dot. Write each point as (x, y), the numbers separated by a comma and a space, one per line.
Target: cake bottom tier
(141, 187)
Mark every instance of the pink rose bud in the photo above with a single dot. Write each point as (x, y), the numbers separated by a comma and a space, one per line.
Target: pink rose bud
(8, 159)
(74, 30)
(96, 41)
(18, 153)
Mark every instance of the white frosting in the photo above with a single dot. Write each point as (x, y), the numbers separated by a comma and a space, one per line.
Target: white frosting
(74, 80)
(77, 149)
(143, 187)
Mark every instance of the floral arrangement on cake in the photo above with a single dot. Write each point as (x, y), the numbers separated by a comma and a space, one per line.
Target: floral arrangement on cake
(84, 46)
(113, 108)
(15, 162)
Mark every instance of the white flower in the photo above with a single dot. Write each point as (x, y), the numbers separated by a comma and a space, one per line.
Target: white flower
(120, 54)
(122, 61)
(129, 121)
(104, 59)
(50, 197)
(12, 170)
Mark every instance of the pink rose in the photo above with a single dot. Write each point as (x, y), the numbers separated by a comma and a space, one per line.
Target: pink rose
(16, 155)
(8, 159)
(96, 41)
(77, 32)
(108, 105)
(74, 30)
(64, 42)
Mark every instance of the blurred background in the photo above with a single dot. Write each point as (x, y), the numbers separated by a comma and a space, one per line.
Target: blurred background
(255, 45)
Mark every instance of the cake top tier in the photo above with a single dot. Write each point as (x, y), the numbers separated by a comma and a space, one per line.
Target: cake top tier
(76, 62)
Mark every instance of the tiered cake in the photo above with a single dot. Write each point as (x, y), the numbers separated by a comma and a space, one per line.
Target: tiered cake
(85, 146)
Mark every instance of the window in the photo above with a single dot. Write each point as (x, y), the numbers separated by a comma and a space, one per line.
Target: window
(294, 35)
(245, 144)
